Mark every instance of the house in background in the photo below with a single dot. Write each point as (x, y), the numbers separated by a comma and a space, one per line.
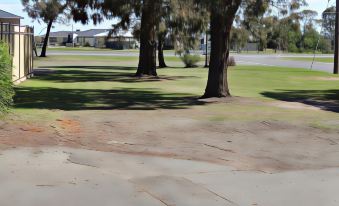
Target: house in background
(20, 41)
(98, 38)
(121, 40)
(60, 38)
(91, 37)
(250, 45)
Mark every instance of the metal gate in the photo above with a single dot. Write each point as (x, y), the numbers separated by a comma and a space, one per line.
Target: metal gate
(20, 40)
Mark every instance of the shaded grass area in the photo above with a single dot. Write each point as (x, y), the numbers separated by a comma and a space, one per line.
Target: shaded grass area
(310, 59)
(96, 99)
(110, 84)
(92, 49)
(323, 99)
(84, 60)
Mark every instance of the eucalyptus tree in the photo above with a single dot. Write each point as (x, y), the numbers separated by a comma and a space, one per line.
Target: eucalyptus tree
(308, 17)
(187, 24)
(47, 11)
(126, 11)
(329, 16)
(155, 20)
(239, 38)
(222, 16)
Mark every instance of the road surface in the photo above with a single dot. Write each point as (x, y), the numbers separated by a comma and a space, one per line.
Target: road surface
(277, 60)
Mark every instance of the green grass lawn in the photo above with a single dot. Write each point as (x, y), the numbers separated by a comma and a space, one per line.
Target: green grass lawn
(75, 83)
(90, 49)
(84, 74)
(317, 59)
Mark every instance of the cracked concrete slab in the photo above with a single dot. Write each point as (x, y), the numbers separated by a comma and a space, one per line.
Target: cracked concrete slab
(308, 187)
(68, 177)
(180, 191)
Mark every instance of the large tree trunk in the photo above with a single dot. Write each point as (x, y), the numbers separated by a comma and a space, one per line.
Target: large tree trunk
(161, 57)
(147, 58)
(44, 47)
(221, 24)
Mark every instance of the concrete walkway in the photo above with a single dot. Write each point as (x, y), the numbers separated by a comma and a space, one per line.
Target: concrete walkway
(69, 177)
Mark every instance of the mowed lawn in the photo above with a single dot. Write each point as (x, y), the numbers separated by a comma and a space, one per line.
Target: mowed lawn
(75, 83)
(310, 59)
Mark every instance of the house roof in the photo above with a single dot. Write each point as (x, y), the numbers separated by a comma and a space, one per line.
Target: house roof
(126, 34)
(59, 34)
(87, 33)
(91, 32)
(7, 15)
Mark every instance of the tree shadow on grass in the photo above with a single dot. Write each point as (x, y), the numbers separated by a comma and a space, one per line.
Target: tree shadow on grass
(324, 99)
(84, 99)
(82, 75)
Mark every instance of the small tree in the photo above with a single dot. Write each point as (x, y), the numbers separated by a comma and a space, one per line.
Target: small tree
(47, 11)
(329, 24)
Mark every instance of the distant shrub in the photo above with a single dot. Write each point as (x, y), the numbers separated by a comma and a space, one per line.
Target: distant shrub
(6, 87)
(190, 60)
(87, 44)
(293, 48)
(231, 62)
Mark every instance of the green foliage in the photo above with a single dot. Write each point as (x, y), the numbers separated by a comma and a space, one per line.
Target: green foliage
(190, 60)
(325, 46)
(329, 22)
(87, 44)
(239, 38)
(46, 10)
(6, 89)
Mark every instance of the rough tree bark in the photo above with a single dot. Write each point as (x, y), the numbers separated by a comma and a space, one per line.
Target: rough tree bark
(161, 57)
(147, 58)
(44, 47)
(221, 25)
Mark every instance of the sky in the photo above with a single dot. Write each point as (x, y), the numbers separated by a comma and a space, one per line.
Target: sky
(15, 7)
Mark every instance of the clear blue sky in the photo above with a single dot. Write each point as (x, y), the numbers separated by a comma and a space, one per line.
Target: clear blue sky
(15, 7)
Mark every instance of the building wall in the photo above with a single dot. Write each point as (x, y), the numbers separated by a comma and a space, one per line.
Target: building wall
(100, 42)
(10, 21)
(122, 43)
(20, 42)
(57, 41)
(83, 41)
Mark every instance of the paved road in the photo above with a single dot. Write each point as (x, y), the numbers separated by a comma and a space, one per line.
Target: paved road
(69, 177)
(242, 59)
(279, 61)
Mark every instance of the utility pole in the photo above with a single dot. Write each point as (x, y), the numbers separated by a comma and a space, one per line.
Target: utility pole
(72, 36)
(206, 50)
(336, 52)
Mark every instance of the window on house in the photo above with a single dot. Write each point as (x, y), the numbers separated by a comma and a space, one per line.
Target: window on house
(53, 40)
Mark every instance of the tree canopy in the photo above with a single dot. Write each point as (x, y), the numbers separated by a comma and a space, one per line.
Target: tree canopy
(47, 11)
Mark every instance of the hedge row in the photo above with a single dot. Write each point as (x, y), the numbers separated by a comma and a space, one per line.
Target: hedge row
(6, 87)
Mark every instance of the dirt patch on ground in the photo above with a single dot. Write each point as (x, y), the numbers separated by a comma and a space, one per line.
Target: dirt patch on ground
(267, 145)
(326, 78)
(70, 125)
(294, 105)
